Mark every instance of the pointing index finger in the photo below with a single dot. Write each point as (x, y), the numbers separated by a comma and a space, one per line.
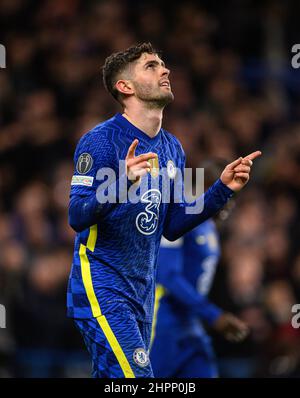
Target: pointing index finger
(132, 148)
(253, 155)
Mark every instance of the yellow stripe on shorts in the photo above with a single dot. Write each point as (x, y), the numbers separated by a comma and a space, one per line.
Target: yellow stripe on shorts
(115, 346)
(96, 311)
(86, 271)
(159, 293)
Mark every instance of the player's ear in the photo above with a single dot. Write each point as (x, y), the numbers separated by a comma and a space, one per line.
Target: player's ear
(124, 86)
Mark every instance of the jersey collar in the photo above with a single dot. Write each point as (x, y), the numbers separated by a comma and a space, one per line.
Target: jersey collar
(137, 132)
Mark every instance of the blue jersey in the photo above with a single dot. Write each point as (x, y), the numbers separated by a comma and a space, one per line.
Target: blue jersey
(116, 245)
(186, 269)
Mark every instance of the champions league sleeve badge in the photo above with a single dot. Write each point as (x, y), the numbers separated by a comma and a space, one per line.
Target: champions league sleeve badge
(84, 163)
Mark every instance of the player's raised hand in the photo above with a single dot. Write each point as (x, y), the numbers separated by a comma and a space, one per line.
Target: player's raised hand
(232, 328)
(137, 166)
(237, 174)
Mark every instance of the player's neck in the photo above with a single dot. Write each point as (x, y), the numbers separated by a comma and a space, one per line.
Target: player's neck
(147, 120)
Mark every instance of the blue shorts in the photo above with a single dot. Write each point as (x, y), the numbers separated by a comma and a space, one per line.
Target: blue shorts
(175, 355)
(118, 345)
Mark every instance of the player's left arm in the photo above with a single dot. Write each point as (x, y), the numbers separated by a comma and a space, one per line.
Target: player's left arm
(233, 178)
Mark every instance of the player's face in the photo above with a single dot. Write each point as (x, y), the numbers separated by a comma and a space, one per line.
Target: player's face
(151, 80)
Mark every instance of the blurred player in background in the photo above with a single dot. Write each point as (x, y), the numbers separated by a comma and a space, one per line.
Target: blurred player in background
(186, 269)
(112, 282)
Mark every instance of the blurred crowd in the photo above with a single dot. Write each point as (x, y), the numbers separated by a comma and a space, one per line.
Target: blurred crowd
(235, 92)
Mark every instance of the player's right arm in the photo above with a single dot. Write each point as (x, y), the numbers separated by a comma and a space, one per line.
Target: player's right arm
(93, 153)
(137, 166)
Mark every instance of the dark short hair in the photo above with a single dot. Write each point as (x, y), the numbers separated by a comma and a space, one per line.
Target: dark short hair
(117, 63)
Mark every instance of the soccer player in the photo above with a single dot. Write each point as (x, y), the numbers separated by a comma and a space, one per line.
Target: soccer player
(112, 281)
(185, 271)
